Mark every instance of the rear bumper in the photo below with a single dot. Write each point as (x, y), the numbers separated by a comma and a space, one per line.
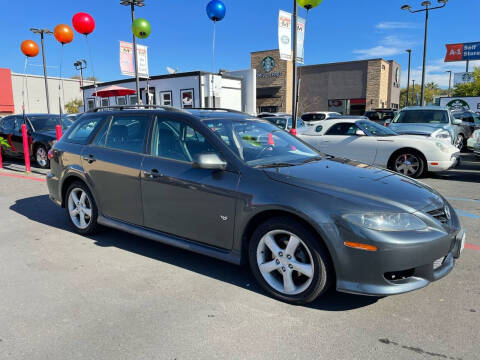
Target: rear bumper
(54, 189)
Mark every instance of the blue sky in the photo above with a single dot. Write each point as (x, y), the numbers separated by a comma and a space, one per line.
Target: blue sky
(338, 30)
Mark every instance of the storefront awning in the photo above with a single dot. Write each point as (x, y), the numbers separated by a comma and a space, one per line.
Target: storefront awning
(268, 92)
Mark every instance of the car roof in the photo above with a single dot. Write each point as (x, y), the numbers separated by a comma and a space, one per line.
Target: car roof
(427, 107)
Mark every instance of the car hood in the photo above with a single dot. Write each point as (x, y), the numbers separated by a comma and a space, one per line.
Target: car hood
(417, 129)
(360, 180)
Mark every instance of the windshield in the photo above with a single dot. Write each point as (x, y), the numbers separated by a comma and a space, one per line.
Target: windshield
(49, 122)
(259, 143)
(281, 122)
(421, 117)
(375, 129)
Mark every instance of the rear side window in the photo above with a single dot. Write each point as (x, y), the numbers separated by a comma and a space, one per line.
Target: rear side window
(313, 117)
(342, 129)
(468, 117)
(127, 133)
(82, 130)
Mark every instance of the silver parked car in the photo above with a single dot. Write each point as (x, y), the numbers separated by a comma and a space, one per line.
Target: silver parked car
(431, 121)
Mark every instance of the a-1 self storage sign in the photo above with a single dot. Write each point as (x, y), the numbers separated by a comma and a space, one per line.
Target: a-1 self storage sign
(463, 52)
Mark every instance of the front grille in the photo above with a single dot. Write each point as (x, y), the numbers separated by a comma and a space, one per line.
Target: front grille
(440, 215)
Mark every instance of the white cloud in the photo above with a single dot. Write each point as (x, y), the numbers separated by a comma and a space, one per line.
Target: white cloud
(388, 46)
(387, 25)
(435, 71)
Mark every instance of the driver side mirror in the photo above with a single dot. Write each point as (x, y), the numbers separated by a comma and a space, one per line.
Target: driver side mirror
(209, 161)
(457, 121)
(359, 132)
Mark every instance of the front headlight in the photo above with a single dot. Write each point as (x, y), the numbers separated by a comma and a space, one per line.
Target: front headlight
(442, 135)
(387, 221)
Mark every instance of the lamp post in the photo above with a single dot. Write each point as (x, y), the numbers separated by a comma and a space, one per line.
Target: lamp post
(132, 4)
(409, 51)
(81, 65)
(293, 130)
(414, 92)
(449, 81)
(426, 8)
(42, 33)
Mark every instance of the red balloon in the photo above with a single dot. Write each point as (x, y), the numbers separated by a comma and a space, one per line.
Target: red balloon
(83, 23)
(29, 48)
(63, 33)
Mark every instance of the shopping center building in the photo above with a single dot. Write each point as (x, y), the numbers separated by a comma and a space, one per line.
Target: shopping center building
(350, 87)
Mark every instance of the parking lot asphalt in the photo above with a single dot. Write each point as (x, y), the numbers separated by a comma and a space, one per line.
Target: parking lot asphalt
(117, 296)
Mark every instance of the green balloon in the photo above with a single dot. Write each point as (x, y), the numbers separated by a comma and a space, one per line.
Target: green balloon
(309, 4)
(141, 28)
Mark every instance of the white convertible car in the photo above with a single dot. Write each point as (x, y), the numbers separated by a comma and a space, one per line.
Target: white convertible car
(371, 143)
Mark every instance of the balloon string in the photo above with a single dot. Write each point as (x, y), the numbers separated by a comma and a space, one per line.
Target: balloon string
(213, 45)
(60, 84)
(23, 86)
(93, 71)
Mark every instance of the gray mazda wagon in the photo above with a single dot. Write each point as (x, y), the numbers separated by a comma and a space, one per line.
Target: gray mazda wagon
(242, 190)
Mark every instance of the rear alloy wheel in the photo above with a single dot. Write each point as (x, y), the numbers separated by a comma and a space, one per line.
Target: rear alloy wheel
(41, 157)
(460, 142)
(289, 261)
(81, 208)
(409, 164)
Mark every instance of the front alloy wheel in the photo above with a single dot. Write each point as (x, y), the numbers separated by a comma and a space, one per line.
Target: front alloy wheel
(409, 164)
(289, 260)
(459, 142)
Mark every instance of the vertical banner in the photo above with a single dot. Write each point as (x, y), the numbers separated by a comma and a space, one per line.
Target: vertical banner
(285, 35)
(127, 66)
(301, 23)
(126, 59)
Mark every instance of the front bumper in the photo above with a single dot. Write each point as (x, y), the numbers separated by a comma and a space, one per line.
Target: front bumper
(401, 264)
(443, 165)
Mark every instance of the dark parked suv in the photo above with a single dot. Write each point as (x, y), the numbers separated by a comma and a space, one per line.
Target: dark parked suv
(242, 190)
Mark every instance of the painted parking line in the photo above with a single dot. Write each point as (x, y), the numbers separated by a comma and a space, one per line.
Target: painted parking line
(467, 214)
(23, 177)
(472, 247)
(463, 199)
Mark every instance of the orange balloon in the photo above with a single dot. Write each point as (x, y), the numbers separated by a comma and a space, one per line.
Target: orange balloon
(29, 48)
(63, 33)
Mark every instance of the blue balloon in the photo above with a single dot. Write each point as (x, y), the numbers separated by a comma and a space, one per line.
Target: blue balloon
(216, 10)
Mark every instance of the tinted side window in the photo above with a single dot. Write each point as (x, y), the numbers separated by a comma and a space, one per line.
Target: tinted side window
(178, 141)
(82, 130)
(468, 117)
(8, 123)
(342, 129)
(127, 133)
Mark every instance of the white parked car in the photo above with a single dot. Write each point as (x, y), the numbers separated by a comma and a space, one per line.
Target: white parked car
(473, 142)
(371, 143)
(312, 118)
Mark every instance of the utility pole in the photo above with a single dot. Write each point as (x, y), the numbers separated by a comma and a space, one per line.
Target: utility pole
(426, 9)
(81, 65)
(42, 33)
(409, 51)
(132, 4)
(414, 93)
(293, 130)
(449, 81)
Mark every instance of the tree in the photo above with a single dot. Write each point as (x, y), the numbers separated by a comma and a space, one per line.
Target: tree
(470, 88)
(72, 106)
(432, 90)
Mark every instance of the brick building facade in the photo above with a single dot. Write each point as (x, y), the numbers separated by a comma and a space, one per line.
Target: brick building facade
(347, 87)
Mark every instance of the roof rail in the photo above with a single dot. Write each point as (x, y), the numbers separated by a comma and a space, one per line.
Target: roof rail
(137, 106)
(218, 109)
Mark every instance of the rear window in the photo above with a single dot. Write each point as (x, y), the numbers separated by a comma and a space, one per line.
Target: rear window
(313, 117)
(422, 117)
(81, 131)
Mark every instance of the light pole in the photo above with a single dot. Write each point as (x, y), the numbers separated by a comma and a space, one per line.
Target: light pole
(409, 51)
(294, 59)
(132, 4)
(414, 93)
(426, 9)
(42, 33)
(81, 65)
(449, 81)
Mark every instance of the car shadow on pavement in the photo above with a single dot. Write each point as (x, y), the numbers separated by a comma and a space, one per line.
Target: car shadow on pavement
(42, 210)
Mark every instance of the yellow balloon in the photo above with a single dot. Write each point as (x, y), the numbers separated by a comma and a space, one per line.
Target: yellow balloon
(309, 4)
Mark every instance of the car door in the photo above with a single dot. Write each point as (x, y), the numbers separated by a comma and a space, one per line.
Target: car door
(343, 141)
(191, 203)
(7, 130)
(113, 162)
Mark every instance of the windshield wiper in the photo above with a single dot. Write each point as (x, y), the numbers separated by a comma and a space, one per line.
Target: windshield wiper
(272, 165)
(312, 159)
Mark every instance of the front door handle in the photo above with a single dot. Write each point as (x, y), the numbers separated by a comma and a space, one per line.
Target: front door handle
(154, 173)
(90, 159)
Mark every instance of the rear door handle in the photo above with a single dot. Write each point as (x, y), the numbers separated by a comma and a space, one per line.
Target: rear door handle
(90, 159)
(154, 173)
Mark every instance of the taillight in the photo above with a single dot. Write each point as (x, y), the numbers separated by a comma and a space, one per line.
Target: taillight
(50, 155)
(386, 124)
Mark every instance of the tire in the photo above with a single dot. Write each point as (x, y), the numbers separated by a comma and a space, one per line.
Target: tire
(80, 203)
(408, 162)
(41, 156)
(279, 275)
(460, 142)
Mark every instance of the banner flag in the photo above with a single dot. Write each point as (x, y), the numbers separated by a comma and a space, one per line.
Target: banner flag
(285, 35)
(300, 39)
(127, 66)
